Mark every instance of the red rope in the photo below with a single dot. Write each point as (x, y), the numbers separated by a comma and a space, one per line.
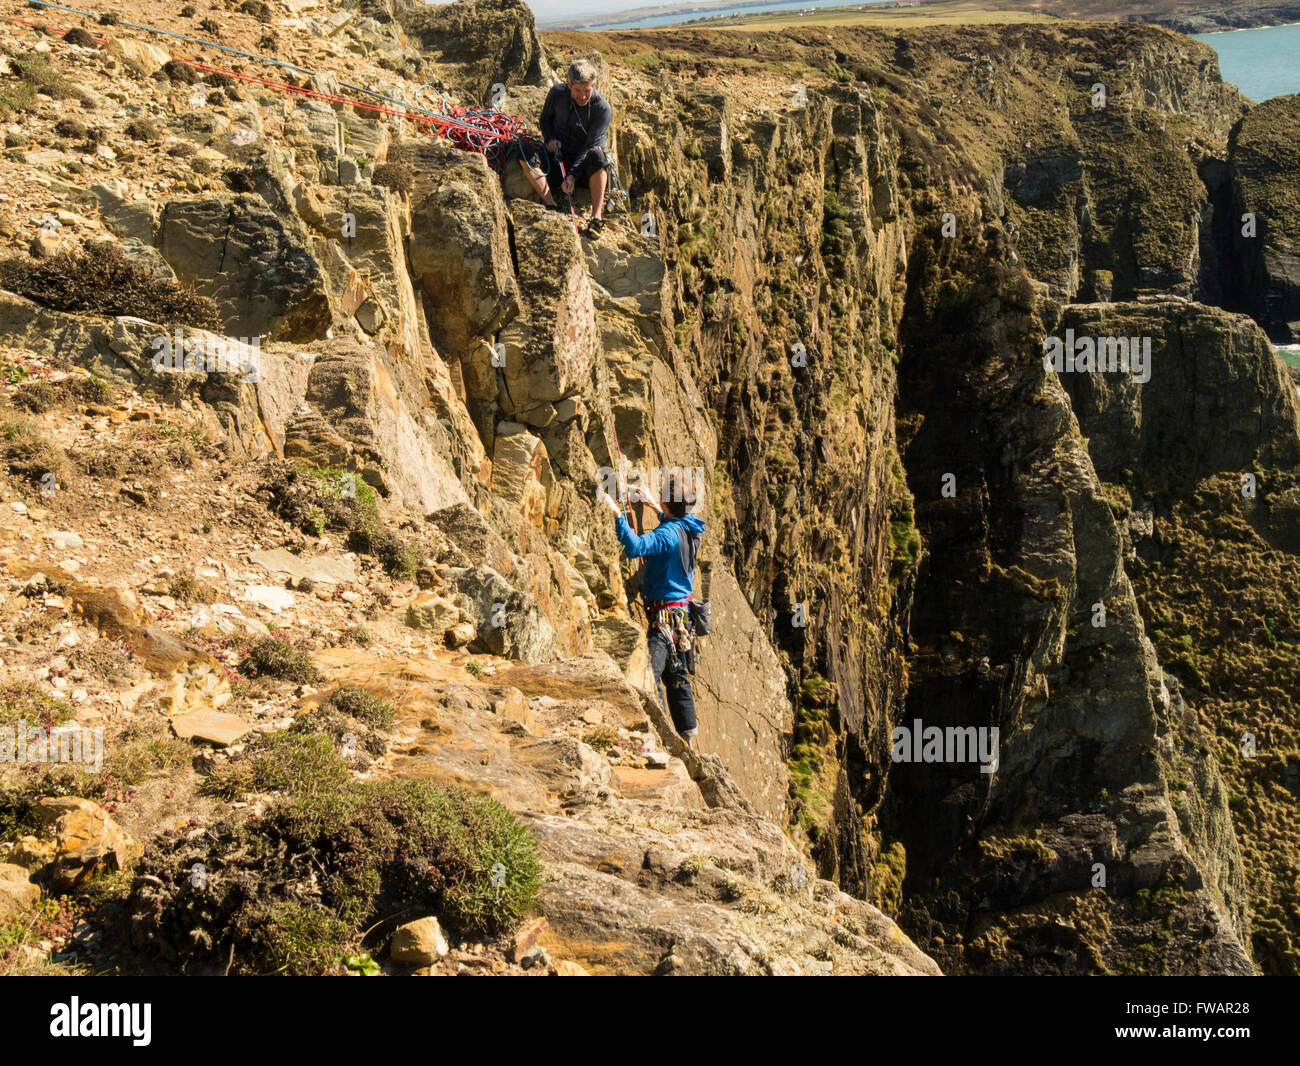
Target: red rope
(623, 491)
(50, 29)
(484, 130)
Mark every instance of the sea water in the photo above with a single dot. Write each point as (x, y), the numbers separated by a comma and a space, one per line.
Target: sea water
(1262, 63)
(630, 21)
(1289, 353)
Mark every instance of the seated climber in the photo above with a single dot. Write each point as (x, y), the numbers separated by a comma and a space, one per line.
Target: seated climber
(575, 120)
(669, 551)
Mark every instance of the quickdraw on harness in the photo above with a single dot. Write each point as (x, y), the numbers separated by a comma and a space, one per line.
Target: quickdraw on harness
(672, 618)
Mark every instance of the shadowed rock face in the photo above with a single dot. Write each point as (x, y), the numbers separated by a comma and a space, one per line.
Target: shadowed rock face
(1005, 637)
(1264, 176)
(251, 261)
(478, 44)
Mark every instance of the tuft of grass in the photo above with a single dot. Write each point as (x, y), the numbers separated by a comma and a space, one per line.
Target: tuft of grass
(400, 177)
(70, 128)
(180, 73)
(601, 737)
(316, 499)
(28, 702)
(189, 589)
(30, 456)
(298, 940)
(144, 129)
(138, 754)
(81, 38)
(40, 395)
(296, 763)
(37, 396)
(358, 635)
(31, 75)
(359, 704)
(98, 280)
(273, 656)
(52, 919)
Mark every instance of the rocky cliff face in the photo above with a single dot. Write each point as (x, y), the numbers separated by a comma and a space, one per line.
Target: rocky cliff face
(831, 299)
(1259, 229)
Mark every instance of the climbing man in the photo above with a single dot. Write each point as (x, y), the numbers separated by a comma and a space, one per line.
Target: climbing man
(575, 120)
(669, 551)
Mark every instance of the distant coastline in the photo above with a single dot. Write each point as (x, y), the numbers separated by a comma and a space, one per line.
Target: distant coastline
(699, 8)
(1243, 29)
(1186, 17)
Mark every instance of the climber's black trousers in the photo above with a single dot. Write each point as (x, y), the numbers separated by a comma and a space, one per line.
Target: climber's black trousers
(675, 679)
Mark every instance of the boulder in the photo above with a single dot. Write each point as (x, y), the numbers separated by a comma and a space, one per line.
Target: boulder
(477, 43)
(432, 613)
(139, 56)
(526, 938)
(17, 892)
(460, 247)
(213, 727)
(509, 622)
(87, 840)
(521, 472)
(32, 853)
(331, 571)
(253, 263)
(418, 943)
(355, 419)
(551, 348)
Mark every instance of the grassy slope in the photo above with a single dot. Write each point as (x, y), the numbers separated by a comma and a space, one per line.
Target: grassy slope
(1223, 610)
(1268, 164)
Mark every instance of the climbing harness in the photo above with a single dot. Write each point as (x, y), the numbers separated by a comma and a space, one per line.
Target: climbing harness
(672, 618)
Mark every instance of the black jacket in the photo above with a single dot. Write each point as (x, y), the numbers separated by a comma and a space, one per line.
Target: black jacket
(578, 129)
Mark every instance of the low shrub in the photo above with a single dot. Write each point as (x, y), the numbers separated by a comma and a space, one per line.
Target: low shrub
(99, 280)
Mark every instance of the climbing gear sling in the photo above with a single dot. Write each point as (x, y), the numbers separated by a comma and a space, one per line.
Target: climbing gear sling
(672, 618)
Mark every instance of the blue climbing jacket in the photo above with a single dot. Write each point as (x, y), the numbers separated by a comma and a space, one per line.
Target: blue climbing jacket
(666, 578)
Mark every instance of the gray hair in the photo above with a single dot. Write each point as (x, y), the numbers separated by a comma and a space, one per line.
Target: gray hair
(581, 72)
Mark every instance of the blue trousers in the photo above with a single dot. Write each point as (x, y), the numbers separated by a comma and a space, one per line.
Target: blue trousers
(681, 704)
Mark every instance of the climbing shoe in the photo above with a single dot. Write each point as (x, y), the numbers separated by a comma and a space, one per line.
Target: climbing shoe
(595, 227)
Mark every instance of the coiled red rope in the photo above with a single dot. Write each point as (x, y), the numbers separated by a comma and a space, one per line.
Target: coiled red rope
(492, 133)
